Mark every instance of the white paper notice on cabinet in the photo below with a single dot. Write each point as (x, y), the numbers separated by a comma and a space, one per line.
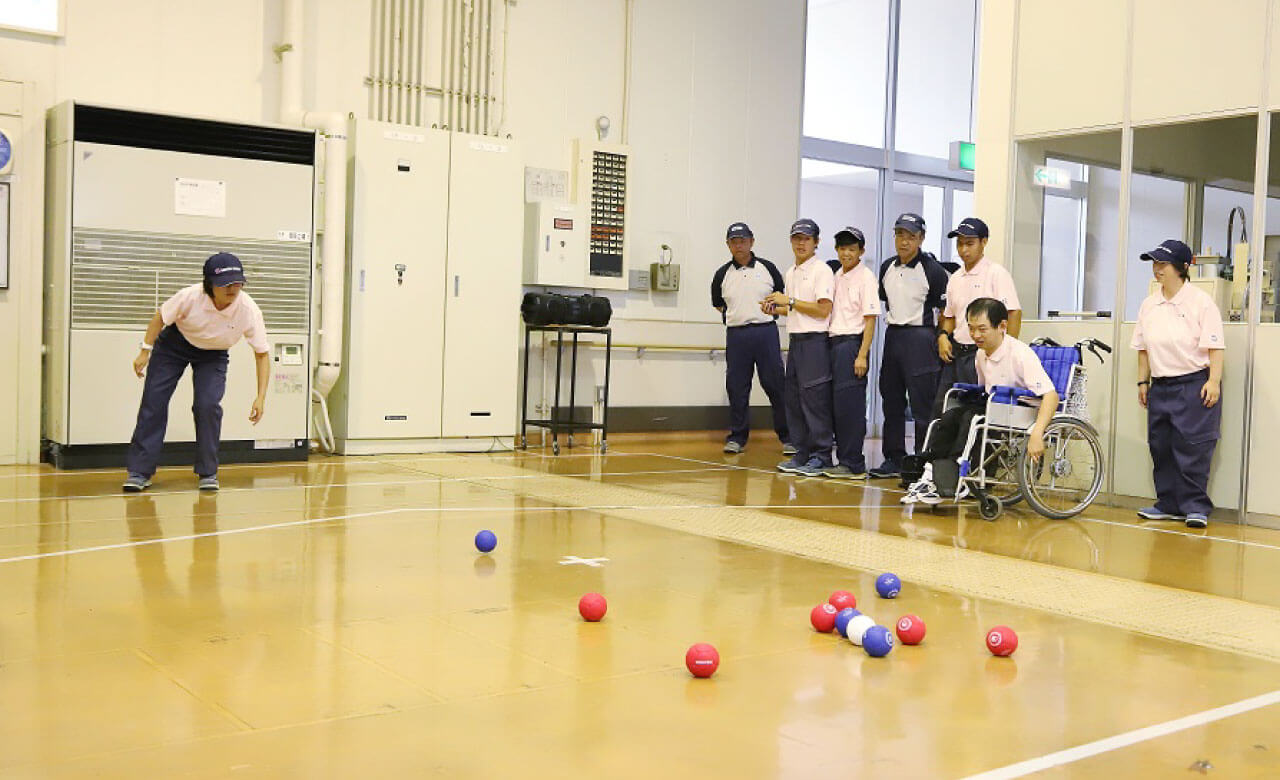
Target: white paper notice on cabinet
(199, 197)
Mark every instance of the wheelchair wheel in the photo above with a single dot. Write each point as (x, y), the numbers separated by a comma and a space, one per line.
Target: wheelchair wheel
(1004, 466)
(990, 507)
(1067, 479)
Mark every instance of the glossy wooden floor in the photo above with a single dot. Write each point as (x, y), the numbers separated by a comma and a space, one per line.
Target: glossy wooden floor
(332, 619)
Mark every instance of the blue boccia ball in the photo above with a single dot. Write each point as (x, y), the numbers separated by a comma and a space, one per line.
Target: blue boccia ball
(878, 641)
(486, 541)
(842, 620)
(888, 585)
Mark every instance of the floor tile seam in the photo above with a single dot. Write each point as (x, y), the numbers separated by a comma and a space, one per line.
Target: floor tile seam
(976, 585)
(226, 713)
(357, 655)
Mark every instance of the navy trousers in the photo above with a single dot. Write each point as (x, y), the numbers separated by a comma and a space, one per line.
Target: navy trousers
(848, 402)
(809, 396)
(755, 348)
(169, 359)
(1182, 435)
(908, 373)
(962, 368)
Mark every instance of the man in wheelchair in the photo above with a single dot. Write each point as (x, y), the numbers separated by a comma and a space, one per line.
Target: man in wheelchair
(1002, 360)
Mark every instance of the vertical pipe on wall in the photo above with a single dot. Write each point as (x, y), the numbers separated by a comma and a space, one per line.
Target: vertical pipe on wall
(419, 71)
(373, 58)
(487, 93)
(468, 63)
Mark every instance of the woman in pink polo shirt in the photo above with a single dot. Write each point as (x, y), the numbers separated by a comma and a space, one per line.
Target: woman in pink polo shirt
(195, 328)
(1180, 346)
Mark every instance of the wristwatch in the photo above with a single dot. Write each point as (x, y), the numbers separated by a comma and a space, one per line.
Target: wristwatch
(1144, 382)
(791, 303)
(145, 346)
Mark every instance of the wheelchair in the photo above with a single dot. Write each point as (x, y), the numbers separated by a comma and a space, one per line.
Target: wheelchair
(995, 468)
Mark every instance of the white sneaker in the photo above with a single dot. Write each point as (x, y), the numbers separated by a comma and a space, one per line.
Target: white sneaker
(913, 492)
(928, 494)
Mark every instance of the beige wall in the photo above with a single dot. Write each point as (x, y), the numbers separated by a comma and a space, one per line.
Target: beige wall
(714, 125)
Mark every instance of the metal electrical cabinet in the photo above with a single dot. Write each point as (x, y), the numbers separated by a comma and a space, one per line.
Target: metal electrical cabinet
(135, 204)
(390, 386)
(433, 301)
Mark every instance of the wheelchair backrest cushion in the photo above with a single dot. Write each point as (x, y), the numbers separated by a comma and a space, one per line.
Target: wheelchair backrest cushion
(1057, 362)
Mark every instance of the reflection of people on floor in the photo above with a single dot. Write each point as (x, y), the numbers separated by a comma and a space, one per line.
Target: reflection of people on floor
(165, 605)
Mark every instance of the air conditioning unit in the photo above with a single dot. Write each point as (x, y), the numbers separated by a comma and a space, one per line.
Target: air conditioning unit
(135, 204)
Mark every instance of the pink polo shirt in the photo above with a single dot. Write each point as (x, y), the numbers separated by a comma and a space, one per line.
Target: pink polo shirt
(1013, 364)
(986, 280)
(857, 296)
(810, 281)
(200, 323)
(1177, 333)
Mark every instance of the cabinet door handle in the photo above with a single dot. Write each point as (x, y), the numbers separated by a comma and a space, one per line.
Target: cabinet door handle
(456, 281)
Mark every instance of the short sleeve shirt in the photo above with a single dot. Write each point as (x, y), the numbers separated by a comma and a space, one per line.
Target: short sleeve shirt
(192, 311)
(739, 289)
(1013, 364)
(810, 281)
(1177, 333)
(985, 280)
(857, 296)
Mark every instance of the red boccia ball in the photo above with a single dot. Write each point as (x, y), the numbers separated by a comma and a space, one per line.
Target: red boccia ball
(910, 630)
(592, 607)
(823, 618)
(1002, 641)
(702, 660)
(841, 599)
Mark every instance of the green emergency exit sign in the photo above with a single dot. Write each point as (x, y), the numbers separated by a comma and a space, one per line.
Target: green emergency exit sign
(963, 155)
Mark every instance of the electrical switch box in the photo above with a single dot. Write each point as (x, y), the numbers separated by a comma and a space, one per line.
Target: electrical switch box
(555, 245)
(665, 277)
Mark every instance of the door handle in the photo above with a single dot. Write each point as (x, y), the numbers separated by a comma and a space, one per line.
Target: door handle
(456, 281)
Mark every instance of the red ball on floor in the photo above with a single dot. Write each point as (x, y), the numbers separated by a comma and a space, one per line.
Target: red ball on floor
(841, 599)
(592, 607)
(1002, 641)
(823, 618)
(702, 660)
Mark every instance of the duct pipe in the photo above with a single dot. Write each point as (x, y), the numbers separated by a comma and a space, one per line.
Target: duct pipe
(333, 256)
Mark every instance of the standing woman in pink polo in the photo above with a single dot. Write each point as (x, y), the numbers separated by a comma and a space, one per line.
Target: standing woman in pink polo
(1180, 346)
(195, 328)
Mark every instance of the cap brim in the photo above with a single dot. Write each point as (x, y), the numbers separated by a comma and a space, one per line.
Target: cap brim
(228, 282)
(907, 226)
(1149, 257)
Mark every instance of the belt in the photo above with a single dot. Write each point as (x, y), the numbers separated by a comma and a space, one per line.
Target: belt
(754, 325)
(1194, 376)
(817, 334)
(963, 349)
(840, 339)
(908, 327)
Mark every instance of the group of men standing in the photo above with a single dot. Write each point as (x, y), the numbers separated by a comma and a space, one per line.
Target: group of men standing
(819, 400)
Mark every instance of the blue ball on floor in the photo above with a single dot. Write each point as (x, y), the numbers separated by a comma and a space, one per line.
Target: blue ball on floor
(486, 541)
(877, 641)
(888, 585)
(842, 620)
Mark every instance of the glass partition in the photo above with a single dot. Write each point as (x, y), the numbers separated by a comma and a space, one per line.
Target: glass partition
(1264, 446)
(1066, 226)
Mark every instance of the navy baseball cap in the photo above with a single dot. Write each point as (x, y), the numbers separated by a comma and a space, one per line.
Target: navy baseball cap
(1171, 251)
(804, 227)
(909, 221)
(738, 230)
(850, 235)
(224, 269)
(970, 227)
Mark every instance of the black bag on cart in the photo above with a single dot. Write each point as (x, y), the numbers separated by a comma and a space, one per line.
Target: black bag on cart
(539, 309)
(912, 469)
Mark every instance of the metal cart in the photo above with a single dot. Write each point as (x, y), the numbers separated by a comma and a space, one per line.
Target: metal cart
(556, 422)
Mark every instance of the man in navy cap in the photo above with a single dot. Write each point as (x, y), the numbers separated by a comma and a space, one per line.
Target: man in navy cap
(195, 328)
(913, 286)
(751, 339)
(807, 303)
(978, 278)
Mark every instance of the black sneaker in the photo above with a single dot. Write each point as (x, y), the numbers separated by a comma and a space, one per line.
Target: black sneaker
(886, 470)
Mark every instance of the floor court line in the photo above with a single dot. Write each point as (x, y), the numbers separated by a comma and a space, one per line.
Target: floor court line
(1070, 755)
(325, 485)
(389, 511)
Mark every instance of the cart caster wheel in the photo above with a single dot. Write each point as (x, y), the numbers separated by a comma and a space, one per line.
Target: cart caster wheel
(571, 441)
(555, 448)
(604, 447)
(990, 507)
(524, 443)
